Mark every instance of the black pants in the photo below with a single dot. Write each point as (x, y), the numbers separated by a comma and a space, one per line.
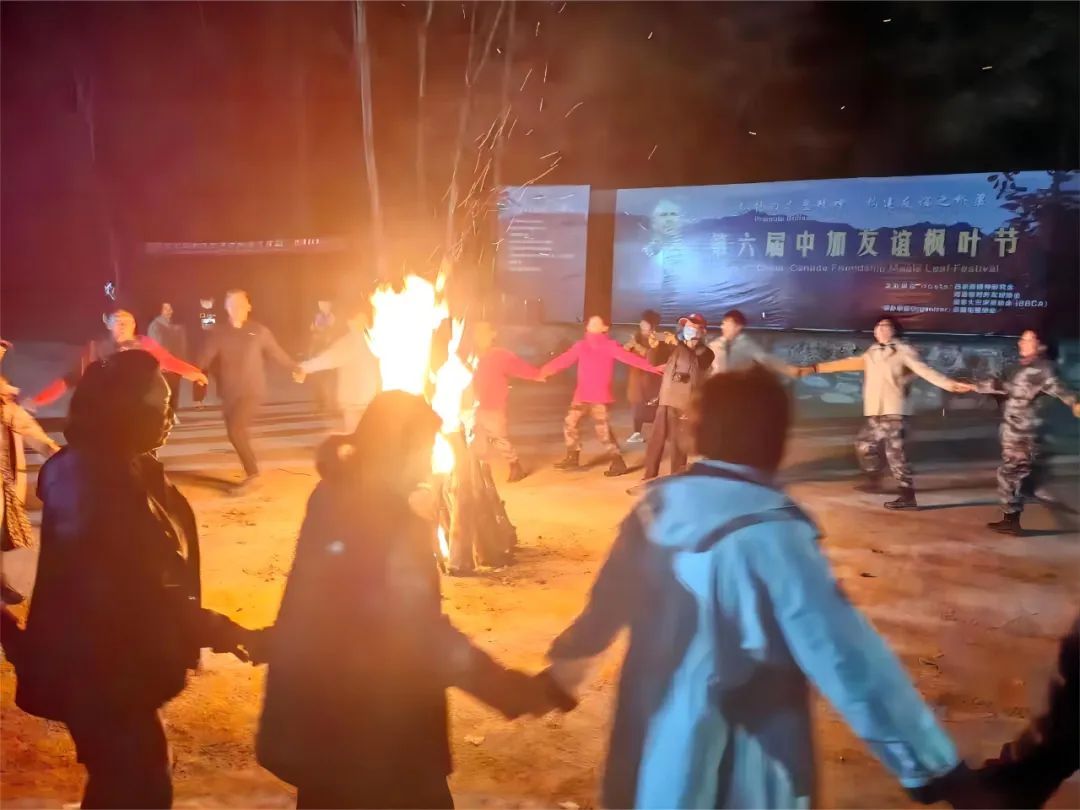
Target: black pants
(239, 414)
(174, 390)
(126, 758)
(412, 791)
(668, 427)
(644, 414)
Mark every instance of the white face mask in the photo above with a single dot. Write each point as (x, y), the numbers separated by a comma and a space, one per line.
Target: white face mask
(690, 333)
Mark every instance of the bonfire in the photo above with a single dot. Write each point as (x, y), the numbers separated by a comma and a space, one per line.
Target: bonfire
(472, 524)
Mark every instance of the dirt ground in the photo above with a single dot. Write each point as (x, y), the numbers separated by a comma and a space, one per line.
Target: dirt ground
(973, 616)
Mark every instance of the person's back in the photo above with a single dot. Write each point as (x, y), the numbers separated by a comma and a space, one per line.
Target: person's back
(733, 612)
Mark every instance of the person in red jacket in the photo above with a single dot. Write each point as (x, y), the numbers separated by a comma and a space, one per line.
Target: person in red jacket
(595, 355)
(494, 368)
(121, 338)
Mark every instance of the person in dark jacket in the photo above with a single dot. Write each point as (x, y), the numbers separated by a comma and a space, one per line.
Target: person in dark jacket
(240, 346)
(1032, 767)
(115, 618)
(686, 370)
(361, 654)
(643, 389)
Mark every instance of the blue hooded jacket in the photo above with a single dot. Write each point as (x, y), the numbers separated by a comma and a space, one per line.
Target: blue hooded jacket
(733, 611)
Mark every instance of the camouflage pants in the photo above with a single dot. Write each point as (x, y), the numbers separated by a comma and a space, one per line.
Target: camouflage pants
(490, 431)
(887, 432)
(1019, 449)
(599, 413)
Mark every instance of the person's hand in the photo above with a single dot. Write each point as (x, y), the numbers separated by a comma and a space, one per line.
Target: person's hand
(804, 371)
(256, 643)
(299, 375)
(1076, 410)
(961, 388)
(669, 337)
(200, 379)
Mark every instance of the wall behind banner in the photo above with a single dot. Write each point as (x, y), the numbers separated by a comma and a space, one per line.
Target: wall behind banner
(967, 253)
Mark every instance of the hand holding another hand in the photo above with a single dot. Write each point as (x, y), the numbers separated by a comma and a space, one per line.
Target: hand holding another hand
(961, 388)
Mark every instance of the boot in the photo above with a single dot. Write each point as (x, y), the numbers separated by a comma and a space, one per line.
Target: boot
(8, 595)
(870, 484)
(517, 472)
(571, 462)
(905, 501)
(1009, 524)
(618, 467)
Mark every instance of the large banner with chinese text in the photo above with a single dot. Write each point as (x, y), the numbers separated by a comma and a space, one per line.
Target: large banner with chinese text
(963, 253)
(541, 253)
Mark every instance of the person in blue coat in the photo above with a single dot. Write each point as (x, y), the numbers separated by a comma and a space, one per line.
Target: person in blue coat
(733, 614)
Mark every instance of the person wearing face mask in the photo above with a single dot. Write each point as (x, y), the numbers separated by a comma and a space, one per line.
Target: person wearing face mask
(887, 368)
(686, 369)
(121, 338)
(735, 350)
(116, 620)
(1021, 387)
(361, 654)
(595, 356)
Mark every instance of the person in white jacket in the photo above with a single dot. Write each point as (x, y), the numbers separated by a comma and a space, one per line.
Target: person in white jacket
(888, 368)
(357, 367)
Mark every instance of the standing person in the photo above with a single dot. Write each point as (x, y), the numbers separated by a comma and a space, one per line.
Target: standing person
(173, 338)
(240, 346)
(735, 350)
(121, 338)
(16, 427)
(207, 322)
(116, 620)
(356, 366)
(1022, 386)
(361, 654)
(643, 388)
(491, 387)
(323, 331)
(595, 355)
(685, 372)
(733, 613)
(887, 368)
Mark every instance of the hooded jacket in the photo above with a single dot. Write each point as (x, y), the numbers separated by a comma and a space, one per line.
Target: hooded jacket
(733, 613)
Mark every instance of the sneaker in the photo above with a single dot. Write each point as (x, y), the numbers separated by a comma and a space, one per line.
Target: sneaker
(1009, 524)
(635, 438)
(906, 500)
(618, 467)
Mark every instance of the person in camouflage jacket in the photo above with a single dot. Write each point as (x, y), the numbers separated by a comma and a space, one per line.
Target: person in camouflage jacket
(1021, 386)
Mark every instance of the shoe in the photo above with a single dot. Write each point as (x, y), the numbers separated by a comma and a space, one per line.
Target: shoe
(10, 596)
(516, 473)
(571, 462)
(871, 484)
(245, 486)
(1009, 524)
(636, 438)
(618, 467)
(906, 500)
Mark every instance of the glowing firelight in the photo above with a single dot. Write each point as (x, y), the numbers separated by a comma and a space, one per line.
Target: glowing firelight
(444, 543)
(403, 324)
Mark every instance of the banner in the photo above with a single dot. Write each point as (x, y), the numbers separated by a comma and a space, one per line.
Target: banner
(541, 252)
(965, 253)
(310, 244)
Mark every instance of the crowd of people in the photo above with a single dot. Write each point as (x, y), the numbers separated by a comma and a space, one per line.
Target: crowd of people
(732, 609)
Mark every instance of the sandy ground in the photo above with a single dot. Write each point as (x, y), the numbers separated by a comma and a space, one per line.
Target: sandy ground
(974, 616)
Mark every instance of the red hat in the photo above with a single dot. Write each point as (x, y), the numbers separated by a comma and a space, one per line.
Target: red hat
(695, 319)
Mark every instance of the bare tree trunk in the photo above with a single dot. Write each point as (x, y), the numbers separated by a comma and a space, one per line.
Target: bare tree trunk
(363, 65)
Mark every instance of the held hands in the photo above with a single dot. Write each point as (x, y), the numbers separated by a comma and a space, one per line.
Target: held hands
(961, 387)
(199, 378)
(299, 375)
(1076, 410)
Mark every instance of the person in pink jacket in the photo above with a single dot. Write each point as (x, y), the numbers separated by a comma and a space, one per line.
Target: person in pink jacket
(595, 355)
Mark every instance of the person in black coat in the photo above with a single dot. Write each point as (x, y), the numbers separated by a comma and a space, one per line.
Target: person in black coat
(115, 619)
(1032, 767)
(360, 656)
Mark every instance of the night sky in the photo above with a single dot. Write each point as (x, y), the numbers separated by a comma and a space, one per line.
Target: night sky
(133, 122)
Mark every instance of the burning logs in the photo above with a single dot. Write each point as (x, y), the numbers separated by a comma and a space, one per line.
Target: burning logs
(473, 518)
